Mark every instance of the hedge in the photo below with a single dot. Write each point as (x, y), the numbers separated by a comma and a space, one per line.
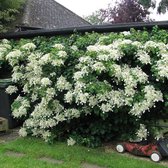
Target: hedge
(89, 88)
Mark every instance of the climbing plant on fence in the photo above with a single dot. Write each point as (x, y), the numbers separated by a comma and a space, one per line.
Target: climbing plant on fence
(89, 88)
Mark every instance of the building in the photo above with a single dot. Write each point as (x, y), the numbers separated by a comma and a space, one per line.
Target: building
(48, 14)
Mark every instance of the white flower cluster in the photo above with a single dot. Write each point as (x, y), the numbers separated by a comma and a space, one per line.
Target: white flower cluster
(45, 82)
(58, 46)
(142, 133)
(151, 96)
(20, 107)
(71, 113)
(14, 56)
(162, 66)
(63, 84)
(107, 52)
(11, 89)
(4, 47)
(143, 57)
(23, 132)
(62, 54)
(71, 141)
(28, 46)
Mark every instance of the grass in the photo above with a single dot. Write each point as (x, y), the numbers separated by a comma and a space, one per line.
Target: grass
(72, 156)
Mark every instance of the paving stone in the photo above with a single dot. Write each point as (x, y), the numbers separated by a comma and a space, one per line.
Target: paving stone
(9, 135)
(14, 154)
(88, 165)
(51, 160)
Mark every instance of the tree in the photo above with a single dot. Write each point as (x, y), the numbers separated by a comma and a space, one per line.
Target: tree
(123, 11)
(8, 11)
(147, 3)
(95, 18)
(161, 8)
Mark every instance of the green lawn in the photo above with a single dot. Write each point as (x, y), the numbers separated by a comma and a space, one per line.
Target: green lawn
(72, 156)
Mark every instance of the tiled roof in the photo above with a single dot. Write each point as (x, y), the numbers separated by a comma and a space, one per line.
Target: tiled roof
(49, 14)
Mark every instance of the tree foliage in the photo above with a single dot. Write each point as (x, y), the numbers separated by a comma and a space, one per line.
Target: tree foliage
(161, 8)
(8, 11)
(123, 11)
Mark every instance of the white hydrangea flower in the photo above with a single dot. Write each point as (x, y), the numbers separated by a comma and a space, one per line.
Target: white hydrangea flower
(102, 97)
(99, 66)
(62, 54)
(23, 132)
(52, 74)
(158, 135)
(71, 141)
(142, 133)
(74, 47)
(162, 66)
(81, 98)
(85, 59)
(11, 89)
(92, 48)
(5, 41)
(36, 81)
(68, 97)
(79, 86)
(141, 76)
(116, 98)
(34, 97)
(46, 135)
(103, 57)
(63, 84)
(45, 59)
(20, 107)
(2, 51)
(115, 54)
(126, 33)
(126, 41)
(45, 82)
(150, 44)
(137, 44)
(17, 76)
(71, 113)
(58, 46)
(47, 123)
(57, 62)
(106, 107)
(78, 75)
(50, 93)
(143, 57)
(28, 46)
(14, 56)
(93, 101)
(151, 96)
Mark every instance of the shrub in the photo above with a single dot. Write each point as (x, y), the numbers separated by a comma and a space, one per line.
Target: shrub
(93, 87)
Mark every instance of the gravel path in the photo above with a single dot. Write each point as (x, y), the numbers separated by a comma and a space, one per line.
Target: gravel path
(9, 136)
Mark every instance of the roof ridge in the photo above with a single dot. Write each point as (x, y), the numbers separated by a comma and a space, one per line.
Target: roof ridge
(49, 14)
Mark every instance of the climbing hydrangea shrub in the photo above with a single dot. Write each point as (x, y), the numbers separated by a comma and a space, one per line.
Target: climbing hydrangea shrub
(70, 78)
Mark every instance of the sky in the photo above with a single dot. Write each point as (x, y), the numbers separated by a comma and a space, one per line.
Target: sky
(84, 7)
(87, 7)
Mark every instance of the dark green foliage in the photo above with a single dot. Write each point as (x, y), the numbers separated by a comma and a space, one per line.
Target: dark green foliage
(8, 12)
